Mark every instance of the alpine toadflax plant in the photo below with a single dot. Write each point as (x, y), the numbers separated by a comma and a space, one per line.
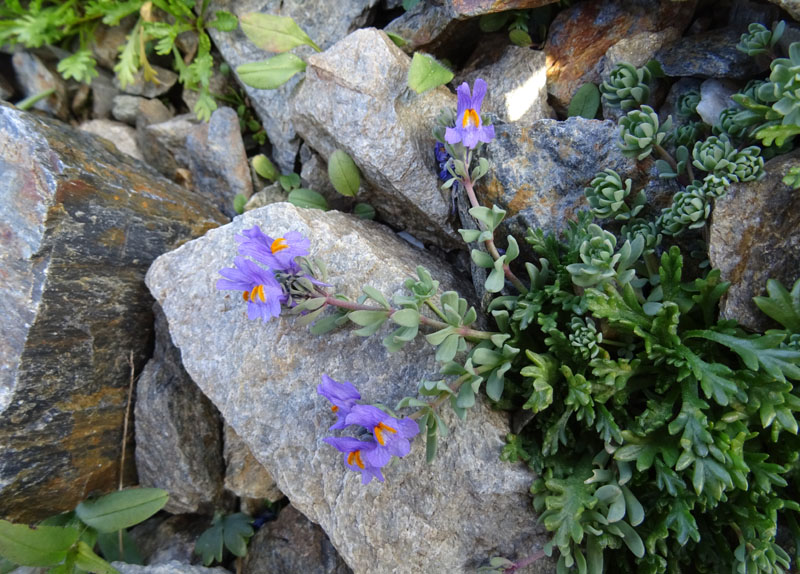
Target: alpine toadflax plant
(469, 128)
(387, 436)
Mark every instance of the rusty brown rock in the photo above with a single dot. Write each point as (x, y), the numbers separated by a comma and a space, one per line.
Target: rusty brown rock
(581, 35)
(244, 475)
(80, 223)
(755, 236)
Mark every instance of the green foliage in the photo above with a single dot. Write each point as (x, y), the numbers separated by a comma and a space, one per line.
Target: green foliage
(607, 193)
(627, 88)
(760, 40)
(585, 103)
(239, 201)
(231, 532)
(308, 198)
(640, 130)
(343, 173)
(687, 103)
(426, 73)
(792, 177)
(72, 24)
(364, 211)
(272, 73)
(65, 542)
(275, 33)
(264, 167)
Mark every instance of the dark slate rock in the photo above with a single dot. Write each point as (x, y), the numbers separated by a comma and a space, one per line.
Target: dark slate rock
(80, 223)
(164, 538)
(755, 236)
(710, 54)
(290, 545)
(178, 431)
(139, 111)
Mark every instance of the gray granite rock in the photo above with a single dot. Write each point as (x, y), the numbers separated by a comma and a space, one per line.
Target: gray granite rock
(164, 81)
(218, 161)
(539, 171)
(382, 125)
(711, 54)
(138, 111)
(34, 77)
(715, 96)
(517, 86)
(164, 538)
(178, 432)
(272, 193)
(324, 21)
(263, 378)
(164, 144)
(791, 6)
(755, 236)
(121, 136)
(103, 93)
(81, 223)
(244, 475)
(291, 545)
(173, 567)
(670, 105)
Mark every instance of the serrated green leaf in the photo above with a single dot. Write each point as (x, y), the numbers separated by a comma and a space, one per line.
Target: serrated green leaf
(781, 305)
(426, 73)
(272, 73)
(122, 509)
(209, 544)
(275, 33)
(585, 102)
(237, 529)
(777, 134)
(343, 173)
(41, 546)
(308, 198)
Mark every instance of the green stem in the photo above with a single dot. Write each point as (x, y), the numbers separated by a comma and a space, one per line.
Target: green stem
(454, 386)
(490, 246)
(471, 335)
(435, 309)
(30, 101)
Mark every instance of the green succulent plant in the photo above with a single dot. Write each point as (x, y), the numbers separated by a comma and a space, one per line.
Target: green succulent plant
(729, 123)
(598, 256)
(792, 177)
(640, 131)
(759, 39)
(689, 210)
(748, 165)
(585, 337)
(607, 193)
(715, 154)
(687, 103)
(627, 87)
(715, 185)
(689, 133)
(648, 230)
(785, 80)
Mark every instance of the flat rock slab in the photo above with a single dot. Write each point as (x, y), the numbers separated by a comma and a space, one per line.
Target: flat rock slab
(449, 516)
(383, 125)
(755, 236)
(711, 54)
(80, 223)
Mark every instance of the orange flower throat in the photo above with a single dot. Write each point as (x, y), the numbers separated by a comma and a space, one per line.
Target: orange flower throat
(471, 116)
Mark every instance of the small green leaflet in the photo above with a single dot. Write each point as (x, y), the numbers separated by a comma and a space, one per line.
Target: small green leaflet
(232, 531)
(308, 198)
(270, 74)
(585, 102)
(426, 73)
(122, 509)
(239, 202)
(777, 134)
(343, 173)
(364, 211)
(223, 21)
(264, 167)
(275, 33)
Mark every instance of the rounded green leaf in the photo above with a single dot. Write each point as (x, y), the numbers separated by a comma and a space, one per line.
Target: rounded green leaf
(239, 202)
(264, 167)
(425, 73)
(272, 73)
(343, 173)
(364, 211)
(274, 33)
(585, 102)
(308, 198)
(520, 37)
(41, 546)
(122, 509)
(406, 317)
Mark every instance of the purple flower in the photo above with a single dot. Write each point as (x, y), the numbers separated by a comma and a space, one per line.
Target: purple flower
(276, 253)
(343, 397)
(391, 434)
(361, 456)
(469, 128)
(259, 287)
